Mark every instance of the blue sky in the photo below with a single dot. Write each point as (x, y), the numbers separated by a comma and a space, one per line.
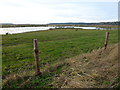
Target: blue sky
(51, 11)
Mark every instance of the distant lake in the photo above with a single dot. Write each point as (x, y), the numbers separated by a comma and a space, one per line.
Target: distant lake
(16, 30)
(22, 29)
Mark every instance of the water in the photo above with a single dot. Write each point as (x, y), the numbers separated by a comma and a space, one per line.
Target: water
(22, 29)
(86, 27)
(16, 30)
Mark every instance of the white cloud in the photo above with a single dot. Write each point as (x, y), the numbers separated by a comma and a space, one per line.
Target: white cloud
(58, 1)
(46, 11)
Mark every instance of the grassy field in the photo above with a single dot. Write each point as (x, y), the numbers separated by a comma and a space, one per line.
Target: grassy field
(54, 46)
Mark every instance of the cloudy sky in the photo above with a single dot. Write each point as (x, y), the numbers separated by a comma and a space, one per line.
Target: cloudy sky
(51, 11)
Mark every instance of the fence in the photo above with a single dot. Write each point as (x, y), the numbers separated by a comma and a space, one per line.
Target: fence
(36, 53)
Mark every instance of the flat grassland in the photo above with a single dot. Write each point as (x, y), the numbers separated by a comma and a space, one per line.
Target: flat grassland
(55, 46)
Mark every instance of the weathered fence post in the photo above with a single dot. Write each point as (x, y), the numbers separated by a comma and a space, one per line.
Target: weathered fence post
(36, 55)
(106, 40)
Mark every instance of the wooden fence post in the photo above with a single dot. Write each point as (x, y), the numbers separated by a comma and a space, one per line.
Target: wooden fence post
(36, 55)
(106, 40)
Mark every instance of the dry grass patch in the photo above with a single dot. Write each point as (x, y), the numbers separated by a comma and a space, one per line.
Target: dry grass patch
(98, 69)
(20, 80)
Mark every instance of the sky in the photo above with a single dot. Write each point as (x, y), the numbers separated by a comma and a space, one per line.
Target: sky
(57, 11)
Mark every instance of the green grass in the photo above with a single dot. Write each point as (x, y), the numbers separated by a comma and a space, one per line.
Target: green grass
(54, 46)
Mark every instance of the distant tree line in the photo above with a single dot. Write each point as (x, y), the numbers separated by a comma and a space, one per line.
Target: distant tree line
(22, 25)
(110, 23)
(57, 24)
(101, 23)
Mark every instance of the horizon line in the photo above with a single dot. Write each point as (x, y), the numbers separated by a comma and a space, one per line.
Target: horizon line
(62, 22)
